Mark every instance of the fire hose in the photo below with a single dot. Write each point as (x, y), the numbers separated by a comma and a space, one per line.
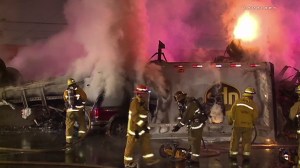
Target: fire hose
(174, 152)
(63, 148)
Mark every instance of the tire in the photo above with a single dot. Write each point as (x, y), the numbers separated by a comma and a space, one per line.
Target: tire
(118, 128)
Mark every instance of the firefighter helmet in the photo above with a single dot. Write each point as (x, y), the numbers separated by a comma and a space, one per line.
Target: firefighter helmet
(71, 81)
(141, 89)
(179, 96)
(297, 90)
(249, 92)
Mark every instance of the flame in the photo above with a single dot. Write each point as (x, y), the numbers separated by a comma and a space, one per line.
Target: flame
(246, 28)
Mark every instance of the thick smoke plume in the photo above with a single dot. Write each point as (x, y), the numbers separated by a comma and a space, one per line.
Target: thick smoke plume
(104, 41)
(110, 41)
(114, 44)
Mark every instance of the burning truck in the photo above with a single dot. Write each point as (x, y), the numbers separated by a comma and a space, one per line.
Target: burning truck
(215, 83)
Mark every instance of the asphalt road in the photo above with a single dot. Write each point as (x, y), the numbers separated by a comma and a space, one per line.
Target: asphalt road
(44, 148)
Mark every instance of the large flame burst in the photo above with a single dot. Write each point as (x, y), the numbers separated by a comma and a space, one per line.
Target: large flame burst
(246, 28)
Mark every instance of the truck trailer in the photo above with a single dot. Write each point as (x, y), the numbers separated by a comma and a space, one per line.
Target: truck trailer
(217, 84)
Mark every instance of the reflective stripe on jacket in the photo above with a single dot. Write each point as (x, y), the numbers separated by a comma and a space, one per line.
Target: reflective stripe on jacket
(189, 113)
(243, 113)
(79, 94)
(137, 117)
(294, 114)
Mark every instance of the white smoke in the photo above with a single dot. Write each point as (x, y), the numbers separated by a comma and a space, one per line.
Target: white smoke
(114, 46)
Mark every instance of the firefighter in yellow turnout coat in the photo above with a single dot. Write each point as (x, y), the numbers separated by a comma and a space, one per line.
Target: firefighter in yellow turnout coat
(138, 129)
(295, 114)
(75, 99)
(194, 118)
(242, 116)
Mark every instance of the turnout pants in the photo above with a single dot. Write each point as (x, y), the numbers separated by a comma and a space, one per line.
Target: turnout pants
(298, 136)
(144, 143)
(237, 134)
(71, 117)
(194, 139)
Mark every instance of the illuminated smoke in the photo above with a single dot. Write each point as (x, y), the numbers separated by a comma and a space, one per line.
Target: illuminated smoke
(49, 58)
(187, 27)
(113, 35)
(154, 74)
(104, 40)
(115, 39)
(277, 38)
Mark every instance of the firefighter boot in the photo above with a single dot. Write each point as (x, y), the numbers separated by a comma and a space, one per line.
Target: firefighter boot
(233, 161)
(232, 157)
(246, 160)
(195, 158)
(152, 162)
(131, 165)
(68, 148)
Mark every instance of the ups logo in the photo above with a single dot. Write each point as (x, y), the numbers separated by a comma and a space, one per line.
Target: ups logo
(222, 93)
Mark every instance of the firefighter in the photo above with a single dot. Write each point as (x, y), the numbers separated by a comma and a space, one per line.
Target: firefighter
(138, 129)
(242, 116)
(295, 114)
(192, 116)
(75, 99)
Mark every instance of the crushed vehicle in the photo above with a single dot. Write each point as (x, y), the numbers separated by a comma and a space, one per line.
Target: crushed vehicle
(286, 82)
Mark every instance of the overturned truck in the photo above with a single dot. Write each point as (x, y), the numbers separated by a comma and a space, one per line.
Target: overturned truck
(218, 84)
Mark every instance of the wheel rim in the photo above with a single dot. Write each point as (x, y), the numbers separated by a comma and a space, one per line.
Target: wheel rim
(119, 128)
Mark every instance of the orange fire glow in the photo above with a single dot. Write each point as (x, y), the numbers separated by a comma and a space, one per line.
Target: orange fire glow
(246, 28)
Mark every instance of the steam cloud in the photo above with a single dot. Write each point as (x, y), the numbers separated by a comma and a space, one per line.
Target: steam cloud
(109, 39)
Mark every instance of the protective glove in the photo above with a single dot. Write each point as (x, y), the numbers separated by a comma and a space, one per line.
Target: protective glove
(136, 136)
(66, 105)
(145, 128)
(175, 128)
(230, 121)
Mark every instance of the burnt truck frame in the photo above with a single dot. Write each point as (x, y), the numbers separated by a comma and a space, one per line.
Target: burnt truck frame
(225, 81)
(41, 104)
(35, 104)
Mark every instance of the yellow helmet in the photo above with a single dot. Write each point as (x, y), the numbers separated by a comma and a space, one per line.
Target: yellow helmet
(297, 90)
(71, 81)
(249, 92)
(179, 96)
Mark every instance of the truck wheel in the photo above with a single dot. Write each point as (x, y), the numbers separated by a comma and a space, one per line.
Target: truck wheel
(118, 128)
